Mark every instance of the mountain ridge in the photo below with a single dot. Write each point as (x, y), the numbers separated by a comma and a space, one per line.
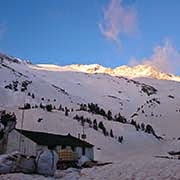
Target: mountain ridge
(138, 71)
(143, 70)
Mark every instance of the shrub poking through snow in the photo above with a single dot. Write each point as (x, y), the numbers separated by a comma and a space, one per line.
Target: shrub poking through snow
(49, 107)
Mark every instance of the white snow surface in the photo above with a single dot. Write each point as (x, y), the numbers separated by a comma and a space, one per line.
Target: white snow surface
(146, 169)
(142, 70)
(75, 84)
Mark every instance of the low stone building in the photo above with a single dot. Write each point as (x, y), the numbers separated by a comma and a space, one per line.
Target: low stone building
(29, 142)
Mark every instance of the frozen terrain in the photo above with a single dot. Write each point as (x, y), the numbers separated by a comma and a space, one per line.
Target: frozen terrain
(142, 94)
(150, 169)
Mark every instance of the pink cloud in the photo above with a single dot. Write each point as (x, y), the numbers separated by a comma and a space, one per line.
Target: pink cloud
(118, 20)
(165, 57)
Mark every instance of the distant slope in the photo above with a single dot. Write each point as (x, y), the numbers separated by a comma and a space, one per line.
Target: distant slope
(143, 70)
(144, 100)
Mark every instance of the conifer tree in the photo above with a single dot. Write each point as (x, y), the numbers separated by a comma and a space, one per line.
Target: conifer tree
(111, 133)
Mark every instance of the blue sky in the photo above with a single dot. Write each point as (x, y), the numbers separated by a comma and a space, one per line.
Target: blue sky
(107, 32)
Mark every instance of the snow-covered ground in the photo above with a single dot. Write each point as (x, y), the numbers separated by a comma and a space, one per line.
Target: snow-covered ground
(76, 84)
(141, 169)
(149, 169)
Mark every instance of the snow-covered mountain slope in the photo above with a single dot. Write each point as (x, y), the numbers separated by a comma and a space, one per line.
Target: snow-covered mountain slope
(123, 95)
(144, 70)
(147, 100)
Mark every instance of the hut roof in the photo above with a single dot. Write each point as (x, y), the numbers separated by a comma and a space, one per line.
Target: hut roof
(49, 139)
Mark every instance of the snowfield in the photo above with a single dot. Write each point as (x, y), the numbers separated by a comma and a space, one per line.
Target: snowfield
(141, 169)
(149, 97)
(149, 169)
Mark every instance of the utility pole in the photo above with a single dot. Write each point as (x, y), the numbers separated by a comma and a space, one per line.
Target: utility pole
(83, 138)
(83, 134)
(22, 123)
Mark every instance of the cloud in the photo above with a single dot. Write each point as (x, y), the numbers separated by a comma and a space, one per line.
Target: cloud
(165, 57)
(118, 21)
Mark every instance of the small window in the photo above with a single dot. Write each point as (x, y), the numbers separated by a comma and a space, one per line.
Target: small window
(83, 151)
(63, 147)
(72, 148)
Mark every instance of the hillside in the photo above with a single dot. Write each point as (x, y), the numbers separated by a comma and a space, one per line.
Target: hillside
(115, 100)
(143, 70)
